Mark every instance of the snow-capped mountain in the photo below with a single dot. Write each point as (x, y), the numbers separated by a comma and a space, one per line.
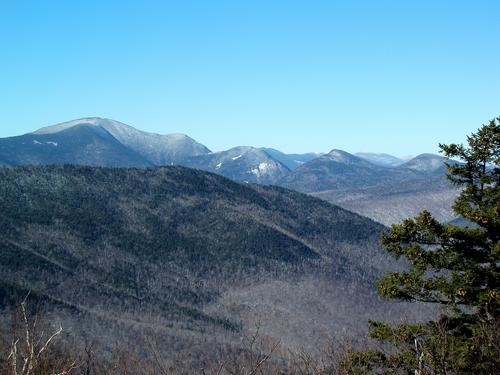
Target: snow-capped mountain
(79, 143)
(106, 142)
(244, 164)
(158, 149)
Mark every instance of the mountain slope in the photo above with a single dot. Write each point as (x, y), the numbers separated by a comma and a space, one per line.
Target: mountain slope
(426, 163)
(79, 144)
(393, 202)
(174, 249)
(157, 149)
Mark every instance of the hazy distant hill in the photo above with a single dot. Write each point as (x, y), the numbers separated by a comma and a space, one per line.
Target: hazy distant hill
(395, 201)
(426, 163)
(384, 160)
(185, 253)
(385, 194)
(340, 170)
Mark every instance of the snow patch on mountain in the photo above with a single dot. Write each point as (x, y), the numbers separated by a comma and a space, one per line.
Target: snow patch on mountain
(263, 168)
(35, 142)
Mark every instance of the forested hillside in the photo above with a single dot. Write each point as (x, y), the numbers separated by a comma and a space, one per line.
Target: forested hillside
(184, 252)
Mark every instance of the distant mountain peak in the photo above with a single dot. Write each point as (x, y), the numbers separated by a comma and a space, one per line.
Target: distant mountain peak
(243, 149)
(335, 153)
(94, 121)
(426, 163)
(381, 159)
(342, 157)
(246, 151)
(429, 156)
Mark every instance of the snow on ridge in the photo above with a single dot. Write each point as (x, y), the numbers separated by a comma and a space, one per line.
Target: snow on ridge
(177, 136)
(237, 157)
(123, 132)
(94, 121)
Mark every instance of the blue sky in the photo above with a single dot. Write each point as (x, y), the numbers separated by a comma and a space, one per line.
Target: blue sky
(385, 76)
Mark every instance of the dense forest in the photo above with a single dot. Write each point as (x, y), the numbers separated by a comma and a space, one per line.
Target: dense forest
(115, 254)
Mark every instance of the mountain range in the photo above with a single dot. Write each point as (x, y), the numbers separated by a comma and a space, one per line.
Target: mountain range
(379, 186)
(385, 194)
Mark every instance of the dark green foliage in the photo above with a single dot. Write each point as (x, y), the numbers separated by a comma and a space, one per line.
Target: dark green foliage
(457, 267)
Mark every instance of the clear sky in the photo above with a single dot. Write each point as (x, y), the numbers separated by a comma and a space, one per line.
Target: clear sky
(386, 76)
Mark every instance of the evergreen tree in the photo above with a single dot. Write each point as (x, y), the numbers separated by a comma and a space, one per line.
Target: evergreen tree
(449, 265)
